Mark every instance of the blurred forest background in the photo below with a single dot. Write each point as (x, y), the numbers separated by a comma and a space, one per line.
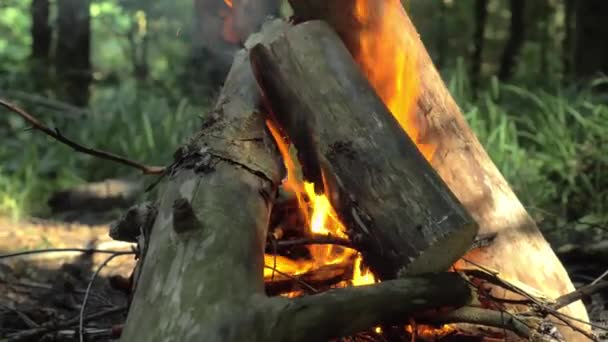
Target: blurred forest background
(134, 77)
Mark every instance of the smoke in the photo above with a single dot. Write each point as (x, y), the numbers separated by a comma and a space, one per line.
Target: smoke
(220, 29)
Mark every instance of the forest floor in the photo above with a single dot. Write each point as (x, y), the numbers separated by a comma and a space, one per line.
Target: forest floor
(41, 295)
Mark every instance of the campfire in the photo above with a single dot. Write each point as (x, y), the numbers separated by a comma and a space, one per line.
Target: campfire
(337, 173)
(392, 83)
(335, 191)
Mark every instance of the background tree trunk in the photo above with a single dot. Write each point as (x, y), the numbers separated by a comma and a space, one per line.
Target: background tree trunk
(569, 15)
(73, 50)
(442, 36)
(41, 30)
(591, 51)
(481, 15)
(510, 54)
(42, 35)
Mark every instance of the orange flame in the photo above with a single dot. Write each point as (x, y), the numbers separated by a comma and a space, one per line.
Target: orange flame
(228, 3)
(321, 220)
(388, 56)
(430, 333)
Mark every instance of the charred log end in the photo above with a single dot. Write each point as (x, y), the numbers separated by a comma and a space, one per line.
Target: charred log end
(443, 252)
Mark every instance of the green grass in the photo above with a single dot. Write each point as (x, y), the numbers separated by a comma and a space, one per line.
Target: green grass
(551, 144)
(138, 124)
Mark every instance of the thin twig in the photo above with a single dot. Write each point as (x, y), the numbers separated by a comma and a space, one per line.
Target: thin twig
(598, 279)
(49, 327)
(55, 250)
(25, 318)
(486, 317)
(321, 240)
(566, 320)
(492, 277)
(37, 124)
(299, 281)
(579, 294)
(86, 295)
(39, 286)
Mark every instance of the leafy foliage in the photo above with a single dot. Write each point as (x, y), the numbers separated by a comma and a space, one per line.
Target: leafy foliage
(547, 137)
(548, 143)
(127, 121)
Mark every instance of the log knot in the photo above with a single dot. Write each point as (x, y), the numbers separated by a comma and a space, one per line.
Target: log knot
(184, 218)
(137, 220)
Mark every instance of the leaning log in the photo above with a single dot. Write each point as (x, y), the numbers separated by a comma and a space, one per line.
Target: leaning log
(397, 210)
(204, 263)
(202, 276)
(434, 121)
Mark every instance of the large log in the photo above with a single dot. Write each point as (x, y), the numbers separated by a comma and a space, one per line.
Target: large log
(397, 210)
(432, 118)
(202, 277)
(204, 263)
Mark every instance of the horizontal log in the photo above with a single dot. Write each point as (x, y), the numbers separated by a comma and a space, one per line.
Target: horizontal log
(351, 310)
(397, 210)
(310, 282)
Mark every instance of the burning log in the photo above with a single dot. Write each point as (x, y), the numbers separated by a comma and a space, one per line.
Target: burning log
(399, 212)
(312, 282)
(388, 49)
(202, 277)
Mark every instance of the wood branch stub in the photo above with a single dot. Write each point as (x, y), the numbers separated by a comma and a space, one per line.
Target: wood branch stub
(397, 210)
(459, 158)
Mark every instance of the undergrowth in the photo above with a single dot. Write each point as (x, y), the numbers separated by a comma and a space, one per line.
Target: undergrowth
(128, 121)
(550, 143)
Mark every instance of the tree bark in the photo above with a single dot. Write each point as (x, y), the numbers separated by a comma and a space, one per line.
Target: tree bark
(202, 276)
(397, 210)
(72, 55)
(516, 40)
(459, 158)
(591, 52)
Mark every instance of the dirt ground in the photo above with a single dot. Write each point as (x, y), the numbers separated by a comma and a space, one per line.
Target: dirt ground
(41, 295)
(39, 291)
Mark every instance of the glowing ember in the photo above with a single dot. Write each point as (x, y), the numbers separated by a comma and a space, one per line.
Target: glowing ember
(387, 54)
(430, 333)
